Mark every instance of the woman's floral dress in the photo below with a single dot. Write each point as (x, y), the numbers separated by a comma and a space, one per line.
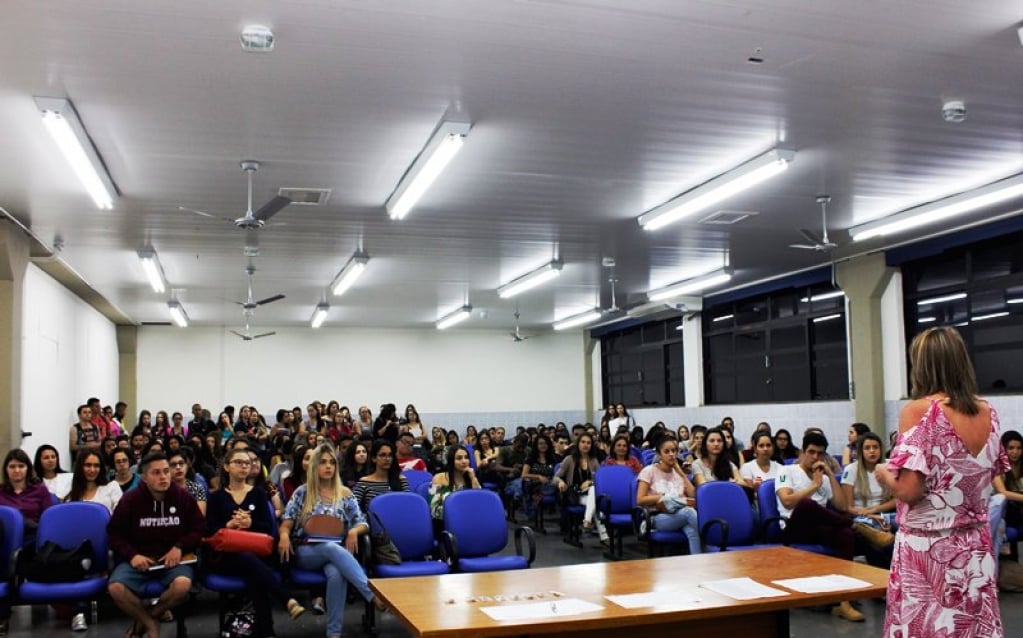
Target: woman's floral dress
(942, 582)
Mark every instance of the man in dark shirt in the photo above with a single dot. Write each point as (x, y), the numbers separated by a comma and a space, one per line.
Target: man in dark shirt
(200, 425)
(510, 460)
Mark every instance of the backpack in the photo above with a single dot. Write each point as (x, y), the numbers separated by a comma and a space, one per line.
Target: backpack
(239, 621)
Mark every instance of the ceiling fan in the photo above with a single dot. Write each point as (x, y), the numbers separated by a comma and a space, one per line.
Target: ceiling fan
(517, 336)
(818, 243)
(250, 220)
(248, 336)
(250, 304)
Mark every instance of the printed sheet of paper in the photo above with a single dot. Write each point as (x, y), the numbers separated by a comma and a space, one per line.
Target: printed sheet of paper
(560, 608)
(655, 599)
(743, 589)
(821, 584)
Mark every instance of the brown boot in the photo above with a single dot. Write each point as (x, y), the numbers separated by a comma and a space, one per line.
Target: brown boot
(874, 537)
(845, 611)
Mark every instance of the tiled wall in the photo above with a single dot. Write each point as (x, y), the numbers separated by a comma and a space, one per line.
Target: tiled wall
(1009, 409)
(510, 420)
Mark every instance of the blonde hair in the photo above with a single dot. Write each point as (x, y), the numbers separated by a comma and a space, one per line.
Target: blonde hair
(313, 482)
(941, 365)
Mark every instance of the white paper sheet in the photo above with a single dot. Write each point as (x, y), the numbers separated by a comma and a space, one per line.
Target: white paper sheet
(560, 608)
(821, 584)
(743, 589)
(655, 599)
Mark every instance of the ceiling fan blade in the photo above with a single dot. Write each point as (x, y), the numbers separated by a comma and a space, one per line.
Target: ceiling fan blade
(265, 334)
(236, 333)
(810, 236)
(805, 246)
(269, 300)
(272, 207)
(203, 213)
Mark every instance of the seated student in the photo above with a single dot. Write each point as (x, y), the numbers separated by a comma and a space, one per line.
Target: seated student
(762, 467)
(732, 447)
(562, 446)
(784, 449)
(866, 499)
(47, 468)
(714, 463)
(663, 486)
(239, 505)
(620, 454)
(355, 464)
(323, 495)
(183, 476)
(300, 457)
(457, 476)
(406, 458)
(385, 477)
(538, 474)
(575, 480)
(803, 500)
(697, 434)
(122, 474)
(856, 430)
(836, 467)
(1010, 484)
(157, 523)
(510, 459)
(257, 477)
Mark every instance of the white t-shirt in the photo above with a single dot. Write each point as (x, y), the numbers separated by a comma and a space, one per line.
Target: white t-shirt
(59, 485)
(750, 471)
(875, 493)
(663, 483)
(793, 476)
(107, 495)
(701, 469)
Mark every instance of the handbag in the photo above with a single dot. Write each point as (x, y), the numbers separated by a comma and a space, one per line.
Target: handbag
(324, 525)
(240, 621)
(385, 552)
(51, 563)
(236, 541)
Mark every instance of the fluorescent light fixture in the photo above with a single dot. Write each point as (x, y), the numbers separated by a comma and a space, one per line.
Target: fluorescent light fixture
(690, 286)
(722, 318)
(458, 316)
(926, 319)
(720, 188)
(827, 318)
(942, 299)
(177, 313)
(822, 297)
(153, 269)
(961, 324)
(439, 150)
(1014, 301)
(580, 319)
(349, 273)
(62, 123)
(319, 315)
(531, 280)
(993, 315)
(942, 209)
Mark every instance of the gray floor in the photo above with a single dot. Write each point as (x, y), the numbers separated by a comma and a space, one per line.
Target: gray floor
(551, 551)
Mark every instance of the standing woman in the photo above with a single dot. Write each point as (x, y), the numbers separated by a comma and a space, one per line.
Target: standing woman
(385, 477)
(324, 495)
(714, 464)
(47, 467)
(576, 476)
(145, 423)
(942, 580)
(413, 425)
(365, 423)
(123, 477)
(242, 506)
(663, 487)
(225, 427)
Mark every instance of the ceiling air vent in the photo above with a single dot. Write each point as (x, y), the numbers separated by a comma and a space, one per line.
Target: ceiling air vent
(727, 217)
(306, 196)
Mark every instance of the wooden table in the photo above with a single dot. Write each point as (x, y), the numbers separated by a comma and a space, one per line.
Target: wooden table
(424, 604)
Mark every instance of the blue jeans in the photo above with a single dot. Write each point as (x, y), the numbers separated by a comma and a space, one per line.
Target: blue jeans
(683, 519)
(340, 568)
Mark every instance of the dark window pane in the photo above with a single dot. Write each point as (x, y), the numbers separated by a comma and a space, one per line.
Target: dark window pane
(748, 312)
(675, 355)
(785, 305)
(750, 343)
(722, 389)
(783, 338)
(942, 274)
(791, 384)
(831, 331)
(653, 333)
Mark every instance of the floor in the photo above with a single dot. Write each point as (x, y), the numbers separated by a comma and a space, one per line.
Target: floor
(38, 622)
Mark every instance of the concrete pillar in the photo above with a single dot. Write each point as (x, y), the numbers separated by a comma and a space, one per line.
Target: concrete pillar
(591, 376)
(14, 259)
(127, 367)
(864, 280)
(692, 361)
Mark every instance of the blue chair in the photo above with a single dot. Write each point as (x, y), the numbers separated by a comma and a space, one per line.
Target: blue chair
(13, 537)
(792, 461)
(615, 488)
(423, 489)
(68, 525)
(406, 519)
(472, 455)
(647, 456)
(726, 517)
(416, 478)
(642, 521)
(474, 528)
(770, 520)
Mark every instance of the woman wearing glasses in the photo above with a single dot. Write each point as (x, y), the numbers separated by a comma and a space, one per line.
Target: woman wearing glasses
(323, 495)
(246, 507)
(182, 474)
(385, 477)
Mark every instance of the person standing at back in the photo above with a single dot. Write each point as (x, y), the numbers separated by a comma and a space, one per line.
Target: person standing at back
(942, 580)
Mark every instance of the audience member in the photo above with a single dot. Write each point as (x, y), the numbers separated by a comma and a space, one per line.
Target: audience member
(574, 479)
(47, 468)
(664, 488)
(385, 475)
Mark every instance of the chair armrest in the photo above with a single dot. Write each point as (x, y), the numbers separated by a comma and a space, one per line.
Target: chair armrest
(641, 515)
(765, 525)
(365, 551)
(449, 545)
(12, 573)
(530, 538)
(706, 527)
(604, 505)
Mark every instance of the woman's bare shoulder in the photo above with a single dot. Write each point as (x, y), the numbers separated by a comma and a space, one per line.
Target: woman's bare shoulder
(912, 412)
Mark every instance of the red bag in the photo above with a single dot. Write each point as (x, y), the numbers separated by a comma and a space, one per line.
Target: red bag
(234, 541)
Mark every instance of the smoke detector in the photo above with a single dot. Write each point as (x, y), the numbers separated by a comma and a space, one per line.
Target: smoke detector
(953, 111)
(257, 38)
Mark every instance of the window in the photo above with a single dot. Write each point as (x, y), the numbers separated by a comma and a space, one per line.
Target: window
(978, 288)
(643, 365)
(789, 345)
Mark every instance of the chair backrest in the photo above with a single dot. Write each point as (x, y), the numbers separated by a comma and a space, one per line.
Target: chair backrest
(767, 504)
(416, 477)
(614, 482)
(13, 536)
(792, 460)
(424, 490)
(472, 455)
(68, 524)
(727, 501)
(647, 456)
(476, 518)
(407, 519)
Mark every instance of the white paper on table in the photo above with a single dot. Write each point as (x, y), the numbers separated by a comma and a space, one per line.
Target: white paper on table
(560, 608)
(821, 584)
(655, 599)
(743, 589)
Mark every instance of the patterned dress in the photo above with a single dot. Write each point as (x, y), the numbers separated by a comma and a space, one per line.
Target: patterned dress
(942, 582)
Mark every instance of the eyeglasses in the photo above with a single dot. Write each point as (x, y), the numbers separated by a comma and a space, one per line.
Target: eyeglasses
(241, 462)
(176, 464)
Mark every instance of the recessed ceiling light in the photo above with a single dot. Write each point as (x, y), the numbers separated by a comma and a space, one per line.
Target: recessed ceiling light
(257, 38)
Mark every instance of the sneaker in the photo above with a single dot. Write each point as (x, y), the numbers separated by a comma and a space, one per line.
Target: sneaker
(78, 623)
(318, 607)
(845, 611)
(642, 528)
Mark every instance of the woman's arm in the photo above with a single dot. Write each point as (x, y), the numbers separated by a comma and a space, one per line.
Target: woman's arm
(999, 485)
(850, 498)
(906, 485)
(846, 456)
(645, 496)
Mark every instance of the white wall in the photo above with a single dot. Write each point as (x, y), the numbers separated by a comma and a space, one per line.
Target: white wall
(69, 353)
(454, 377)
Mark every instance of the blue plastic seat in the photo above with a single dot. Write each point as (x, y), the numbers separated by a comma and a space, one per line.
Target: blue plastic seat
(475, 528)
(648, 456)
(416, 478)
(406, 518)
(13, 537)
(770, 520)
(726, 517)
(68, 525)
(642, 521)
(615, 487)
(422, 490)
